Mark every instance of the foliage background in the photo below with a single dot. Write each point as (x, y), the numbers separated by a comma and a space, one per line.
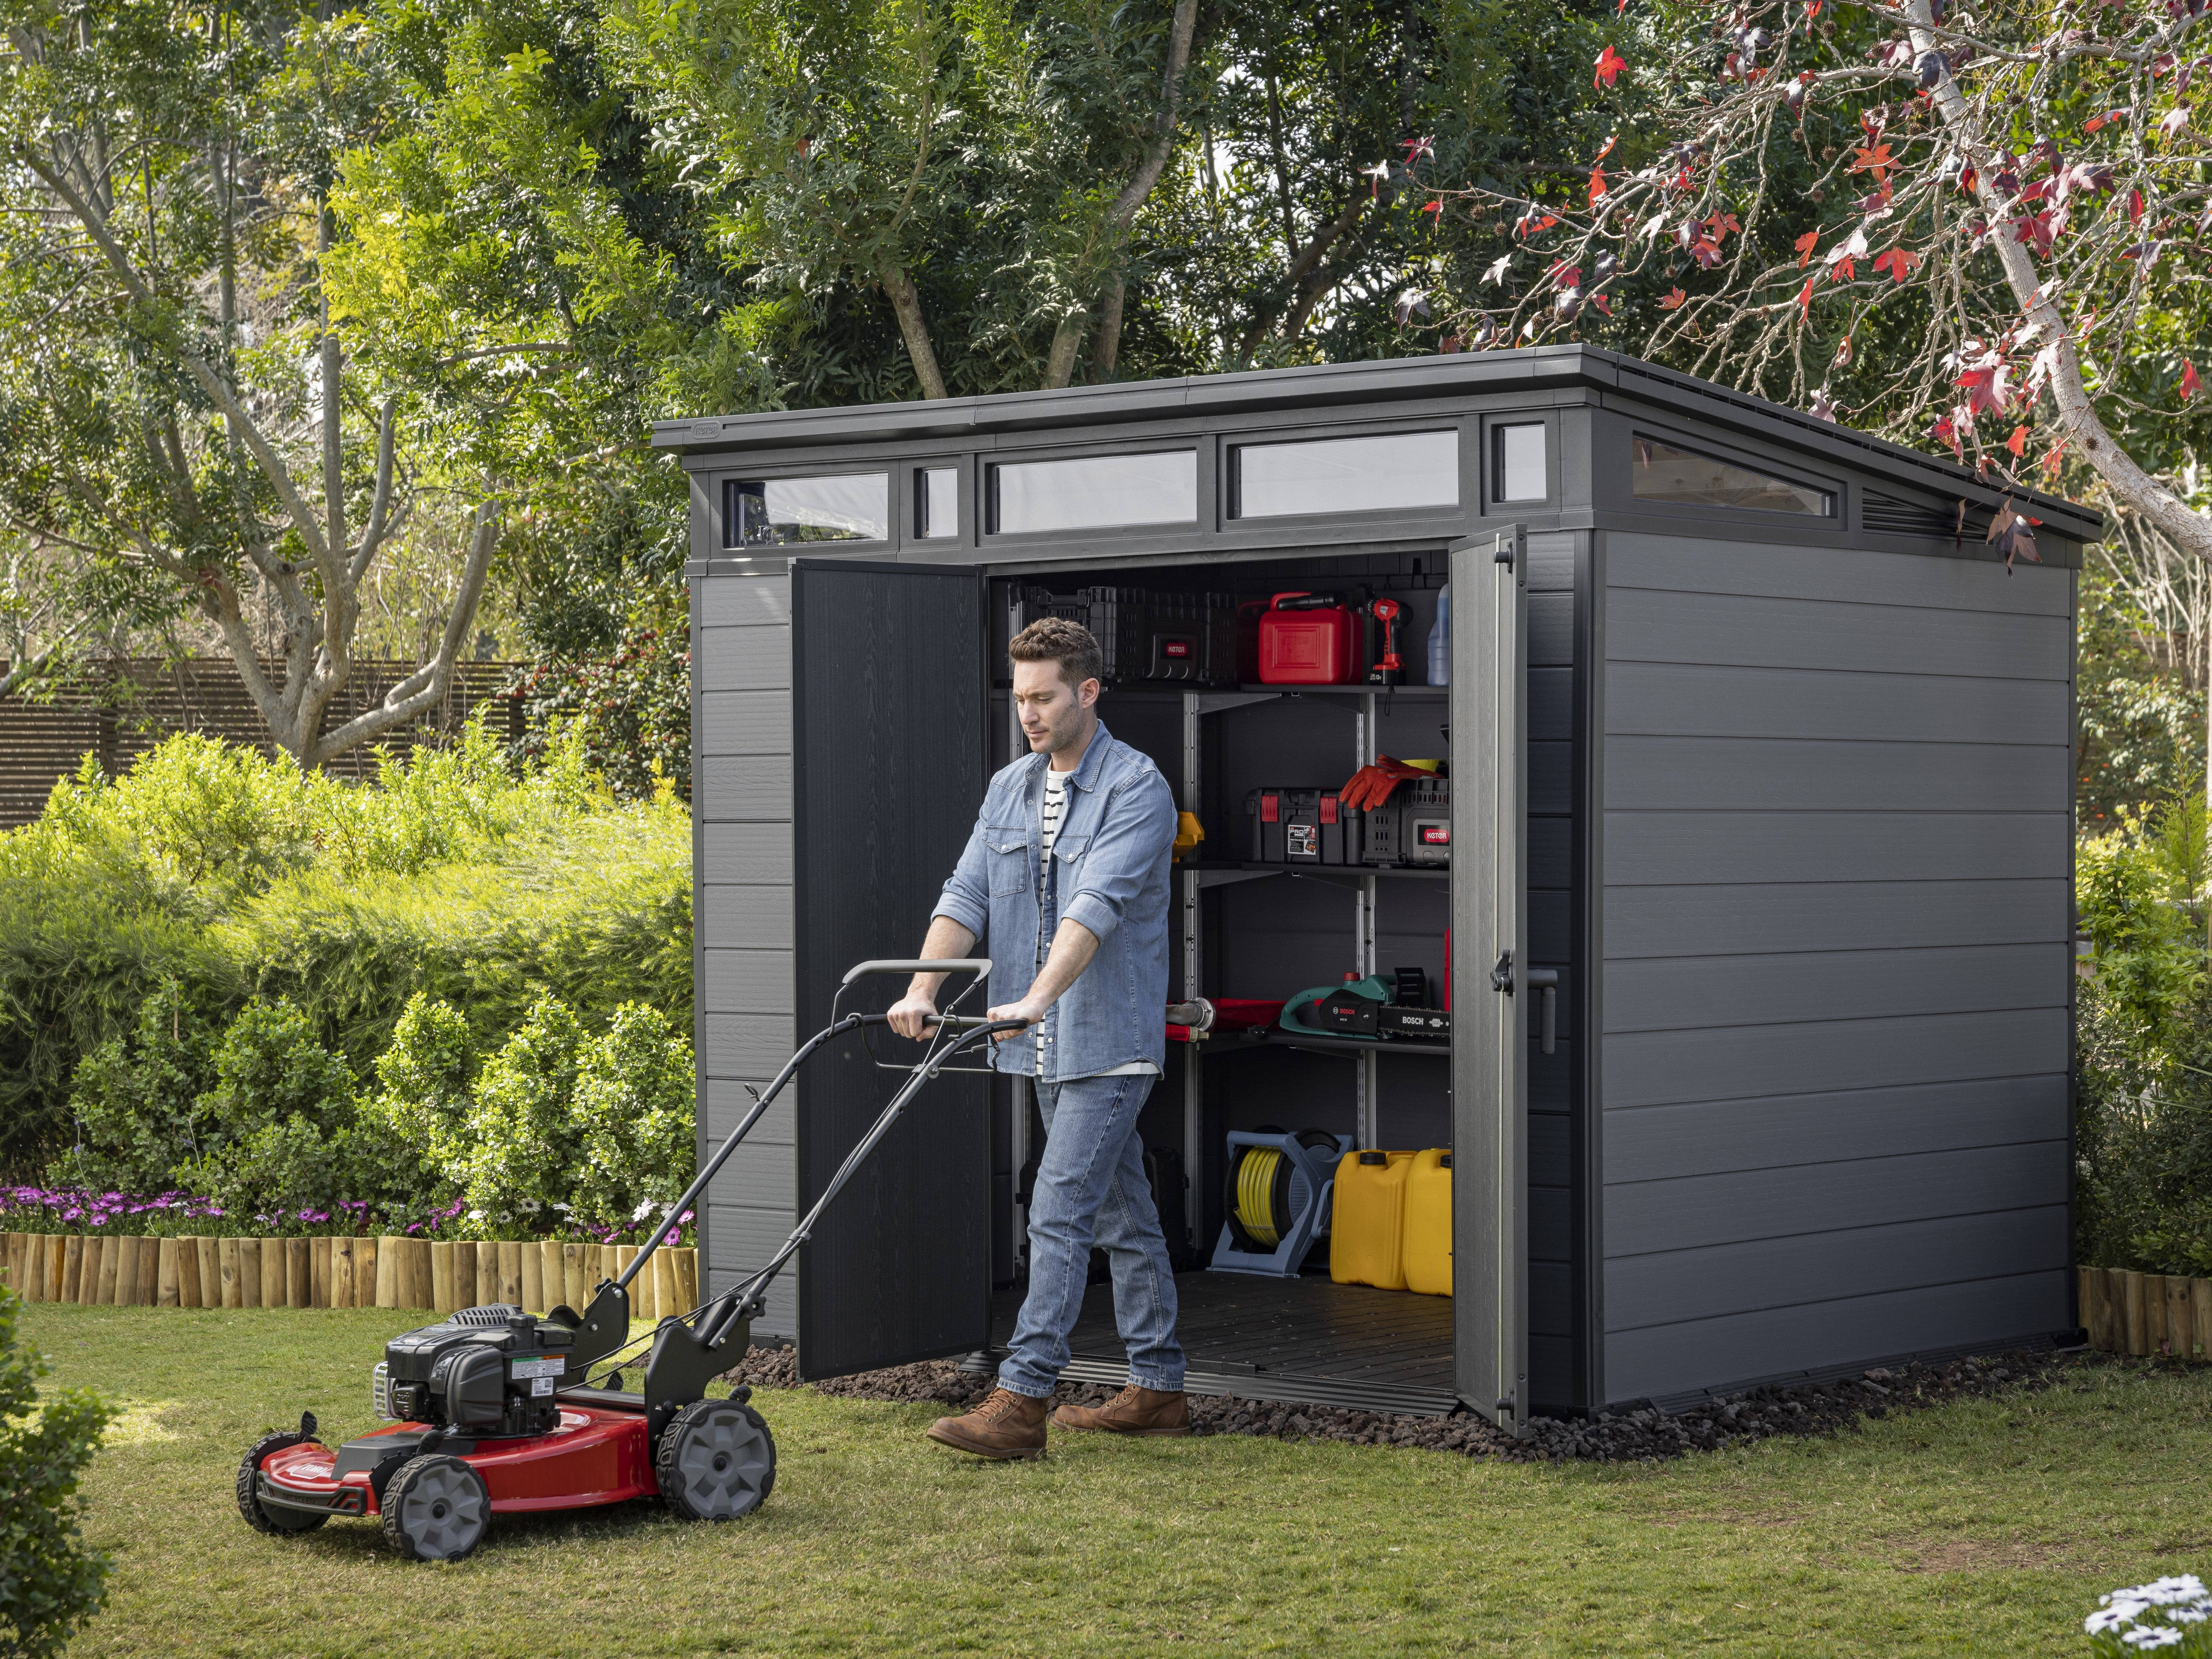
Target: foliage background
(211, 876)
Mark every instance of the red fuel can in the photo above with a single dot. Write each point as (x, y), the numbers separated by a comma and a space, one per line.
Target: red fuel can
(1308, 639)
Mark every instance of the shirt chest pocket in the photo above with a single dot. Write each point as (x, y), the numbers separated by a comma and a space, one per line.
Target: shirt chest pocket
(1010, 860)
(1069, 850)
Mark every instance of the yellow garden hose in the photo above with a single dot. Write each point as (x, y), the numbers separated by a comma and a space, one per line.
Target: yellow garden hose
(1255, 1187)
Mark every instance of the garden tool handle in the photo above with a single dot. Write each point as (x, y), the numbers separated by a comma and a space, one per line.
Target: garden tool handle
(979, 966)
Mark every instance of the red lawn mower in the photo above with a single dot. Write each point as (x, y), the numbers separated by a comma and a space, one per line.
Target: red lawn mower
(498, 1411)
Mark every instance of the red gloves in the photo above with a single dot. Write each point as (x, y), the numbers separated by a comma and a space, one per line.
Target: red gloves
(1371, 786)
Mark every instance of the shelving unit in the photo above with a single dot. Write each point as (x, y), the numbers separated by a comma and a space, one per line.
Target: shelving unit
(1196, 876)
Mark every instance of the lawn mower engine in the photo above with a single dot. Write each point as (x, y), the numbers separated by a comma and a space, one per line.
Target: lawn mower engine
(488, 1372)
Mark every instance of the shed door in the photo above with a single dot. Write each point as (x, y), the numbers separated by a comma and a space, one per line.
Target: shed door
(1492, 1003)
(888, 769)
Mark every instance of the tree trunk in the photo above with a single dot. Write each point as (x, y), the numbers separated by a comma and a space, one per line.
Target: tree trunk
(1067, 338)
(907, 303)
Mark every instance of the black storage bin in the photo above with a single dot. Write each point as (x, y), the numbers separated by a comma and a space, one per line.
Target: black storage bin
(1147, 636)
(1301, 826)
(1414, 827)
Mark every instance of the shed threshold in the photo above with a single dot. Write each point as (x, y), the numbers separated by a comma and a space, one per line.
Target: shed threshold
(1306, 1341)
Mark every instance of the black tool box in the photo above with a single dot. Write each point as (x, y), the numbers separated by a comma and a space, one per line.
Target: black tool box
(1147, 636)
(1301, 826)
(1412, 828)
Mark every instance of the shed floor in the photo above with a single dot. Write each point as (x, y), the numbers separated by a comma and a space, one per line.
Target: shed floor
(1307, 1340)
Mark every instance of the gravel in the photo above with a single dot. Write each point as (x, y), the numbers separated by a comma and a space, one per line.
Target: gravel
(1637, 1436)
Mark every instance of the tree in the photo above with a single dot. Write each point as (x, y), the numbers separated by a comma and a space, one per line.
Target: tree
(181, 405)
(2031, 184)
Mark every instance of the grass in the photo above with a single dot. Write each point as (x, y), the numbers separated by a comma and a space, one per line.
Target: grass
(1982, 1527)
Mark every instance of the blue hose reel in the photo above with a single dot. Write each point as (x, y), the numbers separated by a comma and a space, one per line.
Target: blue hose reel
(1276, 1197)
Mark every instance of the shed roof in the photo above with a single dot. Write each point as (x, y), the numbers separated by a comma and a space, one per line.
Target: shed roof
(1254, 392)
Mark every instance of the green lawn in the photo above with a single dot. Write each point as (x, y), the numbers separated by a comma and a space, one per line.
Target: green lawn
(1984, 1528)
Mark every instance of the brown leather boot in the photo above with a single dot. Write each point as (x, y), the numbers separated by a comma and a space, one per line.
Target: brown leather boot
(1006, 1425)
(1133, 1411)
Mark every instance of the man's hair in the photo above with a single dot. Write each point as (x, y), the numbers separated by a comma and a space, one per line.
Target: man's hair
(1070, 644)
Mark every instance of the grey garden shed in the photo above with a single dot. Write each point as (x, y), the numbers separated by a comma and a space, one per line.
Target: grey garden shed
(1755, 745)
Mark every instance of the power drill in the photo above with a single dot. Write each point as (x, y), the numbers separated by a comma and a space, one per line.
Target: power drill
(1389, 669)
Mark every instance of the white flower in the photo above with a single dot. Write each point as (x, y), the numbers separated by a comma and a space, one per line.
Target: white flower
(2152, 1636)
(531, 1207)
(476, 1215)
(562, 1208)
(2186, 1587)
(2191, 1615)
(2111, 1617)
(643, 1211)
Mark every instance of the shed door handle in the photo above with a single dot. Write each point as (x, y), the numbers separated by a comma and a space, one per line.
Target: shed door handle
(1546, 980)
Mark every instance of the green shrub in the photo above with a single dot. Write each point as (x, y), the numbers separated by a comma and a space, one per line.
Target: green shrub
(2143, 1044)
(135, 1106)
(281, 1118)
(228, 875)
(598, 1128)
(525, 1141)
(51, 1582)
(634, 1097)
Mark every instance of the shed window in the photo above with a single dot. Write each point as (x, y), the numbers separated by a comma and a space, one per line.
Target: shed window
(841, 507)
(1664, 473)
(1345, 474)
(1517, 464)
(1095, 492)
(936, 503)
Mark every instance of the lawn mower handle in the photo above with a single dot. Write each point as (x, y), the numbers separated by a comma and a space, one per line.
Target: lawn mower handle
(979, 966)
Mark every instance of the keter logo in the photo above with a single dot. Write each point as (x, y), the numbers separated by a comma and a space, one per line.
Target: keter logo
(1174, 648)
(1435, 834)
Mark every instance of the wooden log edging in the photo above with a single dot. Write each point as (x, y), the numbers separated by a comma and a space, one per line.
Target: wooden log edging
(440, 1276)
(2141, 1313)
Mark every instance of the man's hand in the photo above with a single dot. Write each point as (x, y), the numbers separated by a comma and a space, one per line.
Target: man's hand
(913, 1014)
(1028, 1011)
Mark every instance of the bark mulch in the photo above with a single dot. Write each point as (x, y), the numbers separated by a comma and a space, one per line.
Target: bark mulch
(1641, 1435)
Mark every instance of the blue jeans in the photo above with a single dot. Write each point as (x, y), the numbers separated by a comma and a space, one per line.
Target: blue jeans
(1091, 1188)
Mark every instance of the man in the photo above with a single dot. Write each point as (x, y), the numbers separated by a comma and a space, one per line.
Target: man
(1065, 875)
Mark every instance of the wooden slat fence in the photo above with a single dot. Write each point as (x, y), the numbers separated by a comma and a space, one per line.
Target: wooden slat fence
(387, 1272)
(146, 699)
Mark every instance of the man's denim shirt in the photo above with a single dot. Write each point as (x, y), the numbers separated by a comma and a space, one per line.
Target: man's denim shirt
(1110, 873)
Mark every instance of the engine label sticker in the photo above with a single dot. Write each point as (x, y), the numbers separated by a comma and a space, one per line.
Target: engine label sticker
(519, 1368)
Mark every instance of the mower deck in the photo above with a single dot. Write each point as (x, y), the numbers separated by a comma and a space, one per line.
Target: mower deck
(598, 1454)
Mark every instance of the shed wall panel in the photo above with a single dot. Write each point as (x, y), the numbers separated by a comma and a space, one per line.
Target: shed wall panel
(747, 981)
(1669, 993)
(1676, 849)
(743, 659)
(1779, 570)
(746, 601)
(744, 1238)
(751, 912)
(1837, 978)
(1700, 700)
(1808, 1267)
(1692, 1211)
(1800, 775)
(1838, 916)
(745, 852)
(744, 723)
(741, 899)
(1777, 1342)
(1709, 1137)
(1644, 625)
(1652, 1068)
(743, 788)
(728, 1101)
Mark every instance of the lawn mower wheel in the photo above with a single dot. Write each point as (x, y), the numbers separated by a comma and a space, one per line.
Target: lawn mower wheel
(716, 1461)
(435, 1509)
(277, 1524)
